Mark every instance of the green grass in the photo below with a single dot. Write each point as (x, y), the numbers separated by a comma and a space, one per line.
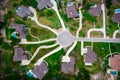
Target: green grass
(101, 49)
(87, 44)
(95, 68)
(8, 32)
(115, 47)
(52, 20)
(111, 27)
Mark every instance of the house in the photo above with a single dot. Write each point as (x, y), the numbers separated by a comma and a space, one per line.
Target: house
(116, 16)
(114, 62)
(68, 67)
(20, 28)
(71, 10)
(95, 10)
(90, 57)
(23, 11)
(40, 70)
(44, 4)
(19, 54)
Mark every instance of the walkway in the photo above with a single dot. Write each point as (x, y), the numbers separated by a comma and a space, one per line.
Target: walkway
(115, 34)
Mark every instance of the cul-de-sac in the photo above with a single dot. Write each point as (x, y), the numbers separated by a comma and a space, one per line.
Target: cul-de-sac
(59, 39)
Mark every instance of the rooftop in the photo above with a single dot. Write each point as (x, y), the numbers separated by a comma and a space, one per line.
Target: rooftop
(20, 28)
(114, 62)
(23, 11)
(68, 67)
(95, 10)
(19, 54)
(116, 18)
(40, 70)
(90, 57)
(43, 4)
(71, 11)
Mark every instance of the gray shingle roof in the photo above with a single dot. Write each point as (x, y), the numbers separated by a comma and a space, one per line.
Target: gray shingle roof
(90, 56)
(116, 18)
(40, 70)
(19, 54)
(68, 67)
(23, 11)
(71, 12)
(43, 4)
(95, 10)
(20, 28)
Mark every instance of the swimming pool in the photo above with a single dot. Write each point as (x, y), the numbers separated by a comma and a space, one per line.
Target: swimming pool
(30, 74)
(113, 72)
(14, 35)
(69, 3)
(117, 10)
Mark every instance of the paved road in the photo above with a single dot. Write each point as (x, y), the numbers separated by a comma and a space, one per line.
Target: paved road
(23, 41)
(98, 40)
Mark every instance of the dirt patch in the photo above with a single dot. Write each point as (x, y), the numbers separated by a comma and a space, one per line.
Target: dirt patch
(96, 34)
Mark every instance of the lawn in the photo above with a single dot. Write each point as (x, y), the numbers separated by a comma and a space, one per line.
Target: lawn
(49, 18)
(95, 68)
(101, 49)
(8, 32)
(87, 44)
(115, 47)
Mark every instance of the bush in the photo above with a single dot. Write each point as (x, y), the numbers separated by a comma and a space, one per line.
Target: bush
(83, 74)
(49, 13)
(32, 3)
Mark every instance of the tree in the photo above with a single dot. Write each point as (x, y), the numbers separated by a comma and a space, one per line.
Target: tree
(49, 13)
(83, 74)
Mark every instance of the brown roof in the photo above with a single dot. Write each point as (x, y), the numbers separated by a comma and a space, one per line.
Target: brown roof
(19, 54)
(71, 12)
(116, 18)
(114, 62)
(95, 10)
(20, 28)
(68, 67)
(90, 56)
(44, 3)
(40, 70)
